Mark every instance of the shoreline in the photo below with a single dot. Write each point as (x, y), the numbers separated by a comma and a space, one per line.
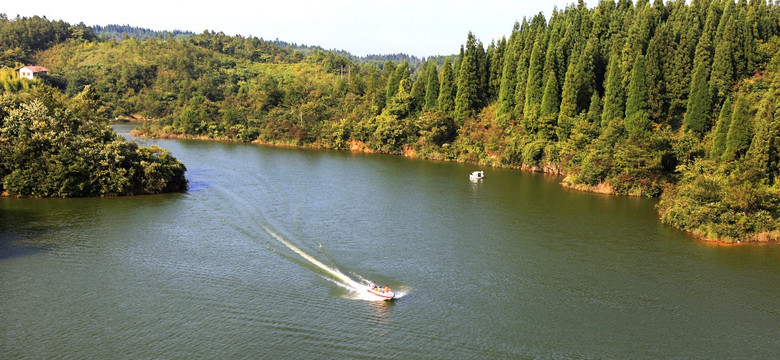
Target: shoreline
(359, 147)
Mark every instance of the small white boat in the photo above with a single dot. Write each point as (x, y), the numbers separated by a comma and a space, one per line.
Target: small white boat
(477, 175)
(386, 295)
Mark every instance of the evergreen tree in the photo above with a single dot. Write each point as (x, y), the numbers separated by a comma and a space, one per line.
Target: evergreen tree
(548, 112)
(432, 87)
(594, 110)
(722, 75)
(657, 54)
(495, 69)
(745, 55)
(740, 129)
(550, 67)
(688, 30)
(418, 90)
(614, 99)
(535, 30)
(447, 89)
(764, 153)
(697, 114)
(721, 130)
(637, 39)
(506, 94)
(534, 85)
(401, 72)
(520, 83)
(568, 105)
(550, 99)
(637, 119)
(470, 85)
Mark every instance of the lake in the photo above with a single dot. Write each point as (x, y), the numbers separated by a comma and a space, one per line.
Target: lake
(266, 255)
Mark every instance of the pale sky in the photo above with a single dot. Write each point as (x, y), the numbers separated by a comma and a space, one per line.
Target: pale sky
(361, 27)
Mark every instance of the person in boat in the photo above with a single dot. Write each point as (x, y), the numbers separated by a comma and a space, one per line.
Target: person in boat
(386, 289)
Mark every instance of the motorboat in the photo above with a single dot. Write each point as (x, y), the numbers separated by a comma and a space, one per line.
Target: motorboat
(378, 291)
(477, 175)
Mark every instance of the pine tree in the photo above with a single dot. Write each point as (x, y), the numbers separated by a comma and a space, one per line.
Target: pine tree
(534, 85)
(520, 83)
(657, 54)
(537, 27)
(594, 110)
(637, 39)
(401, 72)
(764, 153)
(614, 98)
(568, 105)
(418, 90)
(697, 114)
(432, 87)
(679, 80)
(740, 129)
(506, 94)
(637, 119)
(721, 130)
(550, 67)
(745, 55)
(470, 81)
(722, 75)
(550, 99)
(447, 89)
(495, 70)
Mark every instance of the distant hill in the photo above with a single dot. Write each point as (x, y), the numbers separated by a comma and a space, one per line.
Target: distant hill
(114, 31)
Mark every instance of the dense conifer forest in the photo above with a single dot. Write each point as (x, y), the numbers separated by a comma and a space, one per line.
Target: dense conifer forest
(661, 99)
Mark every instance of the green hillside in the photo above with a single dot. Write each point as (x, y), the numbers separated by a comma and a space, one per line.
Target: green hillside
(633, 98)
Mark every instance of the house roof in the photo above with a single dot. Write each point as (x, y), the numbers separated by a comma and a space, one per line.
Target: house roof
(35, 68)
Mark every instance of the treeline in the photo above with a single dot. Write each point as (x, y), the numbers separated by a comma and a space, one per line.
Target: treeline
(115, 31)
(21, 37)
(627, 98)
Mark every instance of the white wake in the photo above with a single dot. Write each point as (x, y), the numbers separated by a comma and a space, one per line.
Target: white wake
(358, 289)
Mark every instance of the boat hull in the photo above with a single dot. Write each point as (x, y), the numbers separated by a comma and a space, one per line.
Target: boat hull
(384, 295)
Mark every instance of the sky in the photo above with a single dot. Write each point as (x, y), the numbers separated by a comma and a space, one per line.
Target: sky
(361, 27)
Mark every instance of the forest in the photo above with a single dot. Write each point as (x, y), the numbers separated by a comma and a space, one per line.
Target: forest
(53, 145)
(661, 99)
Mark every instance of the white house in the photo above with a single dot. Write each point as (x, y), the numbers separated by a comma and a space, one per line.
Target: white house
(32, 72)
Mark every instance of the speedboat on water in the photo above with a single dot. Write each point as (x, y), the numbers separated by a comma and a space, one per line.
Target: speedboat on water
(383, 293)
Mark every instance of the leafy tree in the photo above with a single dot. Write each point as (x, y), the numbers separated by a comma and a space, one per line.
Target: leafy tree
(46, 151)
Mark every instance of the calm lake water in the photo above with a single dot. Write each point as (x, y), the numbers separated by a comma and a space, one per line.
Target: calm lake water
(260, 259)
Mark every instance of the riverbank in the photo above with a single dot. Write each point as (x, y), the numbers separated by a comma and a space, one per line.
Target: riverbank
(771, 237)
